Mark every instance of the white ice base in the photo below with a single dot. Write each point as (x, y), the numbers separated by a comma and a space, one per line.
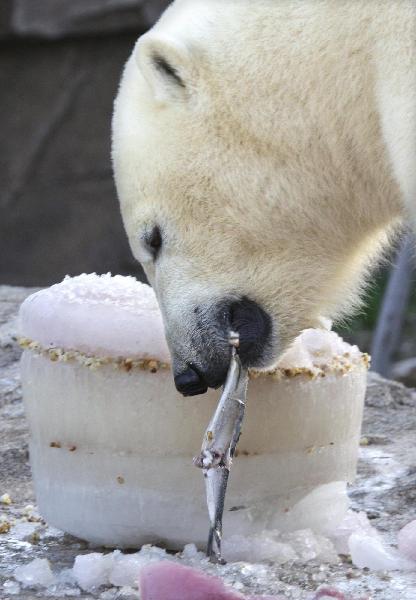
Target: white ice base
(111, 453)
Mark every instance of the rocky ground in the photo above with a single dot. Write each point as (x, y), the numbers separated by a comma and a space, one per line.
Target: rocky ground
(385, 489)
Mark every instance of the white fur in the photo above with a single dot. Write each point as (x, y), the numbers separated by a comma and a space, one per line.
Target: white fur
(282, 166)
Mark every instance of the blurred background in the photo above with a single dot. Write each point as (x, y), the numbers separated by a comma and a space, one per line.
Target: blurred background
(60, 63)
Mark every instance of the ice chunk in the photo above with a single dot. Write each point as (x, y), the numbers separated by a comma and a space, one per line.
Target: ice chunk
(127, 321)
(314, 348)
(257, 548)
(93, 570)
(190, 551)
(323, 508)
(24, 531)
(297, 356)
(311, 546)
(353, 522)
(36, 573)
(66, 584)
(280, 548)
(11, 588)
(407, 541)
(126, 567)
(370, 552)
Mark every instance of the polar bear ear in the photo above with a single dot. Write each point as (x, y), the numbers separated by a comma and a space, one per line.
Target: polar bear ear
(166, 65)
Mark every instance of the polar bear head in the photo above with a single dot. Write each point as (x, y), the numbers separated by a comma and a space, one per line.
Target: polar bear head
(233, 202)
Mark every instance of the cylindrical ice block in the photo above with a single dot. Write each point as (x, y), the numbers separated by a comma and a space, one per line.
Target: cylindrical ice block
(112, 441)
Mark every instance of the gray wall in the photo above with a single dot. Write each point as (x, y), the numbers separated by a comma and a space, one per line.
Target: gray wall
(60, 62)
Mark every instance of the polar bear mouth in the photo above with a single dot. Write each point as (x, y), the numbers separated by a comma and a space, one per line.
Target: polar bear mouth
(213, 352)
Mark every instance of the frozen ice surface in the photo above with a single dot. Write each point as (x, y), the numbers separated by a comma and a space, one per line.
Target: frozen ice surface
(370, 552)
(406, 540)
(127, 321)
(36, 573)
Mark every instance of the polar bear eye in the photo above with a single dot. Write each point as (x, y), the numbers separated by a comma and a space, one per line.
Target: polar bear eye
(167, 69)
(153, 241)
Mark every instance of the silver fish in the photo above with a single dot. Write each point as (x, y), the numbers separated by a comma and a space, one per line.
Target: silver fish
(218, 447)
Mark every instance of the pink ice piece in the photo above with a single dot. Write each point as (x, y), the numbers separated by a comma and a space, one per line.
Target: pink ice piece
(170, 581)
(407, 540)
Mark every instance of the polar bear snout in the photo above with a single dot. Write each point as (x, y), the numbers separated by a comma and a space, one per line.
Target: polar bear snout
(212, 348)
(190, 382)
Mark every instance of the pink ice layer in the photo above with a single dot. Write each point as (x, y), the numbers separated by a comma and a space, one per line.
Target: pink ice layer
(169, 581)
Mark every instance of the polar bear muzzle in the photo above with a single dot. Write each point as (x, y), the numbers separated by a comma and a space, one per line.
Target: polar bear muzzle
(254, 326)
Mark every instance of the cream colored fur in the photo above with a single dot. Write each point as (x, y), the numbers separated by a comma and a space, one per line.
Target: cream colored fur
(281, 168)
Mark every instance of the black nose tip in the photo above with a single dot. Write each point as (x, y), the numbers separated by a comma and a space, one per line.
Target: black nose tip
(190, 383)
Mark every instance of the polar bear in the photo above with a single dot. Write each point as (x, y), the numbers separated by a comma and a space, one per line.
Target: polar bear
(264, 154)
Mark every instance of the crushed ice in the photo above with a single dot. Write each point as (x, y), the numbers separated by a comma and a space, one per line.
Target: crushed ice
(114, 575)
(314, 348)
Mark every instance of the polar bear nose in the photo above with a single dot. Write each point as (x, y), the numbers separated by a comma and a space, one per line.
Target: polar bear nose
(212, 348)
(190, 383)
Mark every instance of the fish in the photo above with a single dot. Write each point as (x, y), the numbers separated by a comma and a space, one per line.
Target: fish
(219, 445)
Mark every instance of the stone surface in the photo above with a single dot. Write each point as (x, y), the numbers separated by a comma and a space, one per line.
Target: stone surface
(405, 371)
(385, 489)
(59, 18)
